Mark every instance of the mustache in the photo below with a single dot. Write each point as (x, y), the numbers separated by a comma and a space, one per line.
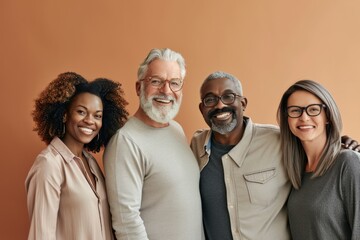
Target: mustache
(163, 96)
(217, 111)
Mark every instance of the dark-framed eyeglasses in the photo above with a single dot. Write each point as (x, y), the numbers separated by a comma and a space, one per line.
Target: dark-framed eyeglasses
(212, 100)
(311, 110)
(175, 84)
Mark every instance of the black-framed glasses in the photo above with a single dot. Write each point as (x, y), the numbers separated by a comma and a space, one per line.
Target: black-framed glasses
(212, 100)
(311, 110)
(175, 84)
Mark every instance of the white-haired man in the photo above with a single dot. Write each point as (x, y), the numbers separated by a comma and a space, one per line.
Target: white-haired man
(152, 176)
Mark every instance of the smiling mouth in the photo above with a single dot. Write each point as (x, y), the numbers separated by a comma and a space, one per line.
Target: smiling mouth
(86, 130)
(162, 100)
(222, 116)
(305, 127)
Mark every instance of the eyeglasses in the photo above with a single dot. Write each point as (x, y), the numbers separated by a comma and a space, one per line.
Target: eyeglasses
(212, 100)
(311, 110)
(175, 84)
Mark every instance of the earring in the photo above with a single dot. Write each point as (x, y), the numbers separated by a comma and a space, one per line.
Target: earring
(64, 121)
(98, 136)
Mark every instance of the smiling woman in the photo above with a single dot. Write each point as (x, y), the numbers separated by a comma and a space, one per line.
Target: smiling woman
(66, 194)
(324, 201)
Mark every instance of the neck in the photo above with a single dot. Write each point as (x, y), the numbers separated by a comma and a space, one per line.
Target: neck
(75, 147)
(231, 138)
(313, 152)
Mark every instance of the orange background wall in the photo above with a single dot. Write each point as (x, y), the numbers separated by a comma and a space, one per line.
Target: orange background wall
(266, 44)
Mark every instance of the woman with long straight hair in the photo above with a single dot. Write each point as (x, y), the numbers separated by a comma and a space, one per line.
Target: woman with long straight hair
(325, 200)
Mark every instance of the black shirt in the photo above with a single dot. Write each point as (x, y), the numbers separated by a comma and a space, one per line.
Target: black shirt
(213, 195)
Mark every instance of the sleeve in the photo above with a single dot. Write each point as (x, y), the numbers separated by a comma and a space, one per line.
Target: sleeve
(350, 189)
(124, 174)
(43, 186)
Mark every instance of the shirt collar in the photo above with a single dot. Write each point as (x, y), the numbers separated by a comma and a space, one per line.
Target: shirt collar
(62, 149)
(238, 152)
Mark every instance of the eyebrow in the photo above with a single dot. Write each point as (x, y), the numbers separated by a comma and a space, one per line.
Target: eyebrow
(87, 108)
(226, 91)
(157, 76)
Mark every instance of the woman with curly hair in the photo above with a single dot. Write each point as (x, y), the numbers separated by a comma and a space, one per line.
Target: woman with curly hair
(66, 194)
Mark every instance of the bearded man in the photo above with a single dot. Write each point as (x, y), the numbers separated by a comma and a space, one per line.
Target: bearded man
(243, 183)
(152, 176)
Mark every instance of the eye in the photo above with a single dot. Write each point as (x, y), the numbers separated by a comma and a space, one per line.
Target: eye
(294, 110)
(155, 82)
(98, 116)
(81, 112)
(175, 83)
(210, 99)
(314, 109)
(228, 97)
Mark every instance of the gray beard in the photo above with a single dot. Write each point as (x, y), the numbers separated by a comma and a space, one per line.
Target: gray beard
(224, 129)
(159, 114)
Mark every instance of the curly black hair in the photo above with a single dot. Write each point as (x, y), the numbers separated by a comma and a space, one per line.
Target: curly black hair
(54, 100)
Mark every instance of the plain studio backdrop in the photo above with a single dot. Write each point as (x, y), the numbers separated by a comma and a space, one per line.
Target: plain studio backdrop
(267, 44)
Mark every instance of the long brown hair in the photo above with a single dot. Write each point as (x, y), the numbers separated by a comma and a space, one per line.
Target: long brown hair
(294, 157)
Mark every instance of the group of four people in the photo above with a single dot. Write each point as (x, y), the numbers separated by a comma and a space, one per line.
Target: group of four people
(154, 189)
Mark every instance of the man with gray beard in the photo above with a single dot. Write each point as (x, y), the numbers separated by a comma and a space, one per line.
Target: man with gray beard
(243, 184)
(152, 177)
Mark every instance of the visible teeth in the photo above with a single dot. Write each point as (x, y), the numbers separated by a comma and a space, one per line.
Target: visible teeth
(86, 130)
(305, 127)
(223, 115)
(163, 100)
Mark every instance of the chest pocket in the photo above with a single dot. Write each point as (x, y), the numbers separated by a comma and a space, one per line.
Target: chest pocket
(261, 186)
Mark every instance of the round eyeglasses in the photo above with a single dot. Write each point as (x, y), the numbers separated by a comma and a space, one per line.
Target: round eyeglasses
(212, 100)
(311, 110)
(175, 84)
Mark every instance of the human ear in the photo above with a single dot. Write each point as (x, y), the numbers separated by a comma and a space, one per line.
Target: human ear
(201, 107)
(138, 88)
(244, 103)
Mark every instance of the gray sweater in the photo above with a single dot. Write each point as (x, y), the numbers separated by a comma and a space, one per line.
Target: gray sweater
(328, 207)
(152, 181)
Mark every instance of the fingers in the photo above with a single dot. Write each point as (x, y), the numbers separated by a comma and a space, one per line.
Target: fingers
(346, 141)
(350, 143)
(353, 145)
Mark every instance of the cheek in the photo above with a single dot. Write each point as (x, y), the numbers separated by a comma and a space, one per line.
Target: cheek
(73, 119)
(323, 123)
(292, 124)
(205, 115)
(203, 111)
(178, 96)
(149, 91)
(99, 124)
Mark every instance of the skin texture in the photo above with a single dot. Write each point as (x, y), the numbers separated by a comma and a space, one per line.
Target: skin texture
(52, 105)
(83, 121)
(223, 114)
(310, 130)
(164, 70)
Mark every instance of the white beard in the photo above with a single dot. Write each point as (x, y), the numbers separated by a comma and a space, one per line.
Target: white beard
(224, 129)
(162, 114)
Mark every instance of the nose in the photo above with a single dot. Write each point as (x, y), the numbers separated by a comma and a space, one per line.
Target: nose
(220, 104)
(304, 115)
(165, 88)
(89, 119)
